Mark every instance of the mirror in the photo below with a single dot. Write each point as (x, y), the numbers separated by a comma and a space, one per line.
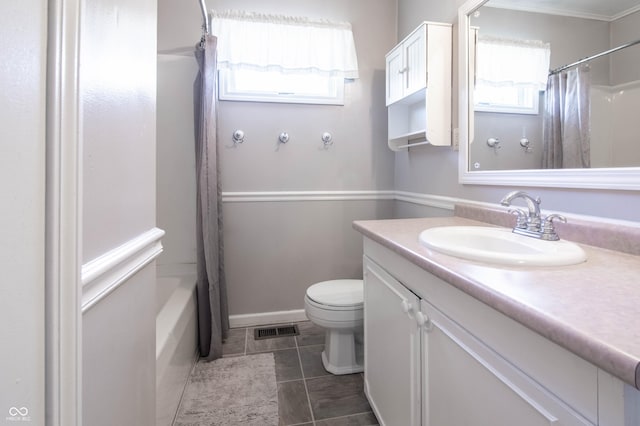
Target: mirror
(520, 143)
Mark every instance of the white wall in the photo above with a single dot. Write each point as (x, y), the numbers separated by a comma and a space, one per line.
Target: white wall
(22, 191)
(176, 176)
(435, 170)
(118, 97)
(276, 249)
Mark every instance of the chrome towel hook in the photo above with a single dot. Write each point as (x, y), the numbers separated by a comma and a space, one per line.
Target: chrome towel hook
(284, 137)
(327, 139)
(238, 136)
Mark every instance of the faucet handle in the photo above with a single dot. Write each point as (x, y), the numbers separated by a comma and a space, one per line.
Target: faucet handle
(548, 230)
(521, 218)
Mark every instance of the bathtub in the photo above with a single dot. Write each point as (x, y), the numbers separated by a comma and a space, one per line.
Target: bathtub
(176, 337)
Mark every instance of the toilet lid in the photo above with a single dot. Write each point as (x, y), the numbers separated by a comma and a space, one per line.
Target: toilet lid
(336, 292)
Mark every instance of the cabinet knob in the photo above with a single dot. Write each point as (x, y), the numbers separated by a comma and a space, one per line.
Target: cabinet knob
(422, 319)
(406, 307)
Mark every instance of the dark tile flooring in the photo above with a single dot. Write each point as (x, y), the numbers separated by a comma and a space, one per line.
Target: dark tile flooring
(308, 395)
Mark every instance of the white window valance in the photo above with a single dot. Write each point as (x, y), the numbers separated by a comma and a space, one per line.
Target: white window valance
(286, 44)
(503, 62)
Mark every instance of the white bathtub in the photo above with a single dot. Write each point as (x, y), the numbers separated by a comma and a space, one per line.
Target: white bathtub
(176, 337)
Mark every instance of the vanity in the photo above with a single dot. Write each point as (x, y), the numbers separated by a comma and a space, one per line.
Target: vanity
(450, 341)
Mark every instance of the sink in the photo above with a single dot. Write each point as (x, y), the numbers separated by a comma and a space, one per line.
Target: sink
(500, 246)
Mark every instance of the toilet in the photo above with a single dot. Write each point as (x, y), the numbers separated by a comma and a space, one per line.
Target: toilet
(337, 306)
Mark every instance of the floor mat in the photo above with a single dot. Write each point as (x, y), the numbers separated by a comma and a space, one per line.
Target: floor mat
(231, 391)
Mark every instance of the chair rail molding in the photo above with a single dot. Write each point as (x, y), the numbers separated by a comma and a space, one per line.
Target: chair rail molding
(102, 275)
(430, 200)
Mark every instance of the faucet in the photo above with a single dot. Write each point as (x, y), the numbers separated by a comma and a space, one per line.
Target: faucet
(533, 204)
(532, 224)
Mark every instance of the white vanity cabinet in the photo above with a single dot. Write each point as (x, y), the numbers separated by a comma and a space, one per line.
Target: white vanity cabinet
(467, 383)
(392, 348)
(436, 356)
(418, 87)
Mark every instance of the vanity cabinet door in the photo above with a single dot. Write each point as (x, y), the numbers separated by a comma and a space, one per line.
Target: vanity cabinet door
(466, 383)
(391, 348)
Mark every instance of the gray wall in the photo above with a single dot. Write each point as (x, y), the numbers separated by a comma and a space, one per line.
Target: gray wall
(276, 249)
(625, 66)
(435, 170)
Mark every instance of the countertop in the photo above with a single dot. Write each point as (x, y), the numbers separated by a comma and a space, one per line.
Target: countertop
(591, 309)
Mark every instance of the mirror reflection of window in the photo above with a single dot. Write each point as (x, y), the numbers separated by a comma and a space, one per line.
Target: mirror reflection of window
(510, 74)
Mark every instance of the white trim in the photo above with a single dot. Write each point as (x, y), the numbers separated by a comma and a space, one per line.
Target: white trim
(438, 201)
(274, 196)
(104, 274)
(63, 328)
(430, 200)
(267, 318)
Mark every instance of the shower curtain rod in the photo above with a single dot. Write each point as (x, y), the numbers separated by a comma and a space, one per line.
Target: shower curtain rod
(589, 58)
(205, 18)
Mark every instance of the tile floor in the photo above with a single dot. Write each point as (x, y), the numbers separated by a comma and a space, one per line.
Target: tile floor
(307, 394)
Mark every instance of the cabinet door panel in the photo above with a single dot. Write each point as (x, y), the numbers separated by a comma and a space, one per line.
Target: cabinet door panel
(392, 348)
(394, 75)
(466, 383)
(415, 61)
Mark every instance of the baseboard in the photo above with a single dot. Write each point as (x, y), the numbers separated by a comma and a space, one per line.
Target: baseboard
(266, 318)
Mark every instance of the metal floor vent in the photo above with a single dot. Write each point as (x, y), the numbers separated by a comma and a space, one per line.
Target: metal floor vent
(273, 332)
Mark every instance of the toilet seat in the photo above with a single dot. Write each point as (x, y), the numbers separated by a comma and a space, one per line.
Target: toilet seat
(338, 306)
(337, 294)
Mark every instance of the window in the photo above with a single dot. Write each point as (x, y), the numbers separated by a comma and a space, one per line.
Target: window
(274, 86)
(510, 75)
(268, 58)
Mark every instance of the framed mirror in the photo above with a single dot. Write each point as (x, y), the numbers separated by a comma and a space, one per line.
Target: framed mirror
(510, 129)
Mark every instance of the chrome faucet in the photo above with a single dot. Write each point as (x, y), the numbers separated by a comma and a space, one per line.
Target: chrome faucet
(532, 224)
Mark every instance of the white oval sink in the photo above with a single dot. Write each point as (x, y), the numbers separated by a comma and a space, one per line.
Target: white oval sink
(500, 246)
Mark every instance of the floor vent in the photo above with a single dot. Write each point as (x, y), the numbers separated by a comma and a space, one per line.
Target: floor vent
(272, 332)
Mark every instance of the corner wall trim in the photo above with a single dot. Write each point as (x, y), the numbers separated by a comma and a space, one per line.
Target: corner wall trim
(266, 318)
(103, 275)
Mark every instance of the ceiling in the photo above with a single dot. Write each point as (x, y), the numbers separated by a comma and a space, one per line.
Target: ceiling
(606, 10)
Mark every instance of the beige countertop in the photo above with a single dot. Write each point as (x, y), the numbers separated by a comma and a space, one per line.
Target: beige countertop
(591, 309)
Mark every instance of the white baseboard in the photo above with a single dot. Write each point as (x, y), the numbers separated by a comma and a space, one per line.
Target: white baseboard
(266, 318)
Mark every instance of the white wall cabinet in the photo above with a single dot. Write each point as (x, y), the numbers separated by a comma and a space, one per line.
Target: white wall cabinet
(418, 87)
(435, 356)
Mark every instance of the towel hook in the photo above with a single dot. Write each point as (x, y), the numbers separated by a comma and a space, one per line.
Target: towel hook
(494, 143)
(238, 136)
(327, 139)
(284, 137)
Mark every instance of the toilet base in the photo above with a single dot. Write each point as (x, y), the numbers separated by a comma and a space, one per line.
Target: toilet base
(343, 352)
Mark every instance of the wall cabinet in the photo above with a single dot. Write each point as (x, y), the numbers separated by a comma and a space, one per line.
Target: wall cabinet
(435, 356)
(418, 87)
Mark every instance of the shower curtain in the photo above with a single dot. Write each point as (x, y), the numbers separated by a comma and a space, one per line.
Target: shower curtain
(566, 127)
(213, 317)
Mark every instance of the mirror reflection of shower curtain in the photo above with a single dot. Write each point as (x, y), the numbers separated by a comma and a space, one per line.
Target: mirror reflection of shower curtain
(566, 126)
(213, 316)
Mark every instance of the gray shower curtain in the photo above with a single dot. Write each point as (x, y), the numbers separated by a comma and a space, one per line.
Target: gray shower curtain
(213, 316)
(566, 127)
